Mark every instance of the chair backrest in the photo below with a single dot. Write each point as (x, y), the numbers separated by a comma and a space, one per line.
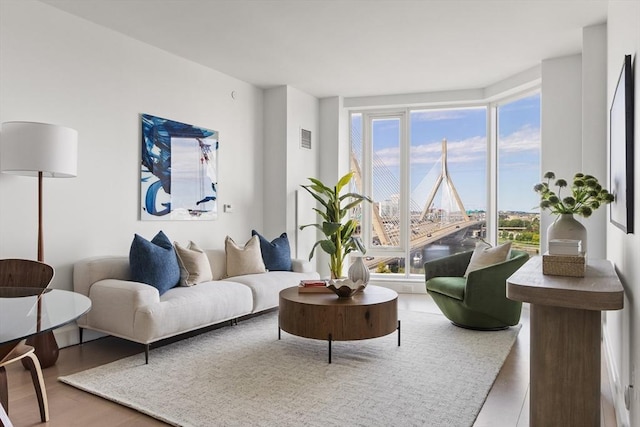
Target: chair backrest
(25, 273)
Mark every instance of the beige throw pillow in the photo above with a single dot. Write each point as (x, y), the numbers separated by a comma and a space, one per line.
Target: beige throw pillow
(244, 260)
(194, 264)
(484, 255)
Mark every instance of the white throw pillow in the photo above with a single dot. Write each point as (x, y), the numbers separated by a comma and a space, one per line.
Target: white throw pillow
(194, 264)
(244, 260)
(484, 255)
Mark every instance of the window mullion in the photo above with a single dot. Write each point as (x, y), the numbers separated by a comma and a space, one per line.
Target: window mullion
(492, 175)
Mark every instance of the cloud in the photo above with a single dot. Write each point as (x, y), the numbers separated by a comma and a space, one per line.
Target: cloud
(527, 138)
(469, 150)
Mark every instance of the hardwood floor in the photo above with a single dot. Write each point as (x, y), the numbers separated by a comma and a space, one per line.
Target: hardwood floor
(506, 405)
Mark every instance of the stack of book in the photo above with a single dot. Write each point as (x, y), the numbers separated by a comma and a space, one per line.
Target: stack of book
(313, 286)
(565, 247)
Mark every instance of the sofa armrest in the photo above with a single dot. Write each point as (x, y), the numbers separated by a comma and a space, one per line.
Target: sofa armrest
(301, 266)
(88, 271)
(114, 304)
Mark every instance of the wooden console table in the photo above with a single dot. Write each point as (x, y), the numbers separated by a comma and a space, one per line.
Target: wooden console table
(565, 339)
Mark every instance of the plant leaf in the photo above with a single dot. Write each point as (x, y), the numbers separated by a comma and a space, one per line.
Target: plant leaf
(327, 246)
(331, 228)
(344, 181)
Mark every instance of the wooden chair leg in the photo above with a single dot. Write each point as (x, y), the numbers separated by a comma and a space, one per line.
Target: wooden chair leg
(38, 384)
(4, 389)
(4, 418)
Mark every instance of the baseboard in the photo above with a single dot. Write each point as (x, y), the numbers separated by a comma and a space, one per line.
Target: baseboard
(615, 385)
(401, 287)
(69, 335)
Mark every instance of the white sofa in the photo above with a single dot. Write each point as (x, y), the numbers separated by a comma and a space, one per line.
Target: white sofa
(137, 312)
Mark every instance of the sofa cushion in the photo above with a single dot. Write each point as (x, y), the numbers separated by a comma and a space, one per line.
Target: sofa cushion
(184, 309)
(266, 287)
(276, 254)
(154, 262)
(194, 264)
(484, 255)
(243, 260)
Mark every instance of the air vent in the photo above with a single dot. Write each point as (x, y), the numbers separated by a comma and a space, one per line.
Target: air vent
(305, 139)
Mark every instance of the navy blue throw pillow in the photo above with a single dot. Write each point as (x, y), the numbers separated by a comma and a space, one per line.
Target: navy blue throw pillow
(275, 254)
(154, 262)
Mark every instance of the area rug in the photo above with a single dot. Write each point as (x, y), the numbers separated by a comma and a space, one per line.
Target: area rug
(243, 375)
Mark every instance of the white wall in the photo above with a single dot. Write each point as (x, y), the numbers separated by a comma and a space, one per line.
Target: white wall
(58, 68)
(288, 165)
(275, 156)
(622, 328)
(303, 112)
(594, 126)
(561, 118)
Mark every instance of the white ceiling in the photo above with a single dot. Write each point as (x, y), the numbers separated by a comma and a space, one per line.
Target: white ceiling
(355, 47)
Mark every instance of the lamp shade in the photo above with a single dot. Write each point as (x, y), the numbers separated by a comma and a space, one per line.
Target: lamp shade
(27, 148)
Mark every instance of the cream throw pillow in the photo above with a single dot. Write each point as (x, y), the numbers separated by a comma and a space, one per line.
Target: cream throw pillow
(194, 264)
(244, 260)
(484, 255)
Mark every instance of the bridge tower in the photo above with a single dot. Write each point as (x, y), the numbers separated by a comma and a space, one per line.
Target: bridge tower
(444, 177)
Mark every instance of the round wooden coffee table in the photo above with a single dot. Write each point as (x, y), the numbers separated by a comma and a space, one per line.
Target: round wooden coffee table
(371, 313)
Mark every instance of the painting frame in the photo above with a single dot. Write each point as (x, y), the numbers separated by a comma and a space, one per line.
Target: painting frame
(178, 170)
(621, 150)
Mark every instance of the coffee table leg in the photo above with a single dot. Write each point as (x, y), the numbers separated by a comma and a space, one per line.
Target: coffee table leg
(398, 333)
(330, 348)
(278, 332)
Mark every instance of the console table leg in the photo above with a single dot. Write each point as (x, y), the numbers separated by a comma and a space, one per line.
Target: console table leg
(399, 333)
(279, 332)
(330, 348)
(565, 366)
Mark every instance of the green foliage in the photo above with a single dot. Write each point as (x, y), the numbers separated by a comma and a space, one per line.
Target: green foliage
(587, 195)
(339, 240)
(383, 268)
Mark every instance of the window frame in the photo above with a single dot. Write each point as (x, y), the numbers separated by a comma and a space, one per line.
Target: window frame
(492, 170)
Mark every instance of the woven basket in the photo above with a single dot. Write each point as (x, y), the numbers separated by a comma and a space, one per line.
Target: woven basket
(564, 265)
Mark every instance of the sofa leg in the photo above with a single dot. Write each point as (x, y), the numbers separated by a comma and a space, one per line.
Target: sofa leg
(80, 332)
(146, 354)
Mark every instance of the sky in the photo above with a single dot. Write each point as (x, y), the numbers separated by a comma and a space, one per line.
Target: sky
(466, 133)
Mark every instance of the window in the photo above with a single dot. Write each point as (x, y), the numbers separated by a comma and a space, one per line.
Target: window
(426, 170)
(518, 172)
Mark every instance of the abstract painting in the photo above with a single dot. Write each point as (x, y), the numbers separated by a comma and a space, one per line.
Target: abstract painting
(178, 171)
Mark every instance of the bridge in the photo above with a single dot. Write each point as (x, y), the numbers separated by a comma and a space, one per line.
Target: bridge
(429, 224)
(427, 233)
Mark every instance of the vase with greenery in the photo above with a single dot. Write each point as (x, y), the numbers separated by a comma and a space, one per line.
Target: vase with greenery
(337, 228)
(586, 195)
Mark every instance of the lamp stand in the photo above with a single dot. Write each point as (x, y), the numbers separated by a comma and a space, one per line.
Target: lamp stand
(40, 234)
(45, 345)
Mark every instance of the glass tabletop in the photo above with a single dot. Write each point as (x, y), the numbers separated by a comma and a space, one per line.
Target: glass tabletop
(29, 311)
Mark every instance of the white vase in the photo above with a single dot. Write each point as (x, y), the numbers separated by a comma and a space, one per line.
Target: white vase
(358, 271)
(567, 227)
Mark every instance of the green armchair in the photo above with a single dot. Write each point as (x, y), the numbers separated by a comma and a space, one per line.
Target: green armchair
(478, 301)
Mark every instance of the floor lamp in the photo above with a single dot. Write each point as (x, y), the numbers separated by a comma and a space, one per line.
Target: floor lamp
(45, 151)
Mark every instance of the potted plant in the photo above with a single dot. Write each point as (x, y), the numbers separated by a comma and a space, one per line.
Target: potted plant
(339, 239)
(586, 196)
